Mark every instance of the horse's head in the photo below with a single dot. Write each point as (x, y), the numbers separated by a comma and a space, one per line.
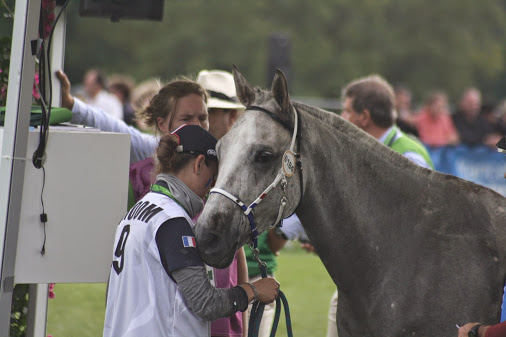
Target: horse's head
(251, 157)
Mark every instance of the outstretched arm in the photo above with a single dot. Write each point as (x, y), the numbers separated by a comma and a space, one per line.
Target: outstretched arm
(142, 145)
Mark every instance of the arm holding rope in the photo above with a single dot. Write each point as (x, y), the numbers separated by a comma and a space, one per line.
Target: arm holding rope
(210, 303)
(264, 290)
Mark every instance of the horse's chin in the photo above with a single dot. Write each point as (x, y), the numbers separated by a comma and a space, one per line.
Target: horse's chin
(217, 260)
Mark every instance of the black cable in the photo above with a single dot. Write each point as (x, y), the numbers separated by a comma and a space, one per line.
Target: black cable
(49, 52)
(43, 216)
(45, 70)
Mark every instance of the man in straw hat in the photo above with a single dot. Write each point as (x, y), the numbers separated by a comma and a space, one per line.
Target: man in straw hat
(223, 106)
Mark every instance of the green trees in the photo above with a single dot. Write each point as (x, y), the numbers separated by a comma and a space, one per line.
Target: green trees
(447, 44)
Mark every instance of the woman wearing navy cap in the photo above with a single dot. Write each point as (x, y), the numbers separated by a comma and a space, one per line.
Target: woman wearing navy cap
(158, 283)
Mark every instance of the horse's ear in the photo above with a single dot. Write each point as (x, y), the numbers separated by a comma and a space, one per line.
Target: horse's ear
(245, 92)
(279, 90)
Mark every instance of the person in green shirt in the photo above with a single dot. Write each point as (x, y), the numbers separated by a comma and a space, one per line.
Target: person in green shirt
(369, 103)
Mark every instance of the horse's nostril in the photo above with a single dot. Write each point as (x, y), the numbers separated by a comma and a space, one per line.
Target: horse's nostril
(211, 240)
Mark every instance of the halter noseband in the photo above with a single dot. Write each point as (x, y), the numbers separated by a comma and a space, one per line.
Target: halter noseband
(290, 161)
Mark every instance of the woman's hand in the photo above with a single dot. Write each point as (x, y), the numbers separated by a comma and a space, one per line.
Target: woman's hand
(67, 101)
(265, 290)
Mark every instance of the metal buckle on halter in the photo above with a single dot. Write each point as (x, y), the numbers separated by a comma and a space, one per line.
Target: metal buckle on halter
(256, 256)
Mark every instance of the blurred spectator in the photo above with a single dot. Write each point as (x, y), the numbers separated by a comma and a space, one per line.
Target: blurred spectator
(472, 127)
(501, 116)
(223, 106)
(434, 124)
(95, 89)
(121, 86)
(405, 114)
(494, 114)
(141, 95)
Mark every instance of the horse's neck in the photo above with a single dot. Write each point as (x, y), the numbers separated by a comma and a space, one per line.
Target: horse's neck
(352, 187)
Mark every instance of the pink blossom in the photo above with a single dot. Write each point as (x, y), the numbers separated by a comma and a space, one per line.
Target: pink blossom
(46, 3)
(47, 29)
(1, 71)
(35, 93)
(51, 290)
(51, 17)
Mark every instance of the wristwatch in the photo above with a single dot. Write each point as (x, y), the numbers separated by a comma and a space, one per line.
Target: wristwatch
(474, 331)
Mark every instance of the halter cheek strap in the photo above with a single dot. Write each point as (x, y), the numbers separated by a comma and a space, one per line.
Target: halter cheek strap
(286, 170)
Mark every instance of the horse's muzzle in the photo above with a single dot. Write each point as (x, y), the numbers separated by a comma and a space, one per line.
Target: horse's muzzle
(213, 250)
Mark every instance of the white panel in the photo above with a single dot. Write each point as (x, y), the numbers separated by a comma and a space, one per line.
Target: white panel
(85, 196)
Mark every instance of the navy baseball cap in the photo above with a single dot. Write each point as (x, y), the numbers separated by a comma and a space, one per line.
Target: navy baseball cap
(194, 139)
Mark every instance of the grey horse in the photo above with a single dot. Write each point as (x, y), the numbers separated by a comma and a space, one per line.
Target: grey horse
(412, 251)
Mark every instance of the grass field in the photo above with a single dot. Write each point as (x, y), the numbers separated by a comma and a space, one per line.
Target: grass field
(78, 309)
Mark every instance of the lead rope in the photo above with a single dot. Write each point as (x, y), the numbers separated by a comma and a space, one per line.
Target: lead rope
(257, 309)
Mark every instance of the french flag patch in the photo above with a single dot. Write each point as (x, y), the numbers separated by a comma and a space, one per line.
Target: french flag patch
(189, 241)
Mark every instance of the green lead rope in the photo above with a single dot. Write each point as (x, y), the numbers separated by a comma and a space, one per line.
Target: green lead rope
(257, 310)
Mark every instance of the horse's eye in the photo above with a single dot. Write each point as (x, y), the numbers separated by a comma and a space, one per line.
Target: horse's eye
(263, 157)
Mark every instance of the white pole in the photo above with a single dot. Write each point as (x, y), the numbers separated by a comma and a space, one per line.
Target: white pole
(38, 298)
(15, 135)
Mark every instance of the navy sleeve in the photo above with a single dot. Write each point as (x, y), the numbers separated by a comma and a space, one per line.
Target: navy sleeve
(176, 245)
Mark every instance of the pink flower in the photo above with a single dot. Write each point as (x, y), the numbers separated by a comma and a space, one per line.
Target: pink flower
(35, 93)
(47, 29)
(51, 17)
(51, 290)
(48, 5)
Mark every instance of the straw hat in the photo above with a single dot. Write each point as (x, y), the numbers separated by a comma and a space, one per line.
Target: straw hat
(220, 86)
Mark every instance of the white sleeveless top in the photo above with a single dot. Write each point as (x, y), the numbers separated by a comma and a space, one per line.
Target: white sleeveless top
(142, 300)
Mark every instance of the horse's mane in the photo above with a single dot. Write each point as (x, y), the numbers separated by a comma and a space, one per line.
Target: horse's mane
(353, 132)
(359, 136)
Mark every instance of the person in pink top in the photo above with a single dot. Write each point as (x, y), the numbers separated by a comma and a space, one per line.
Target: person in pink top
(434, 124)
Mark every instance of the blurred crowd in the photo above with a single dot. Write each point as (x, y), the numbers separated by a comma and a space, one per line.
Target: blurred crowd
(118, 95)
(470, 122)
(367, 103)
